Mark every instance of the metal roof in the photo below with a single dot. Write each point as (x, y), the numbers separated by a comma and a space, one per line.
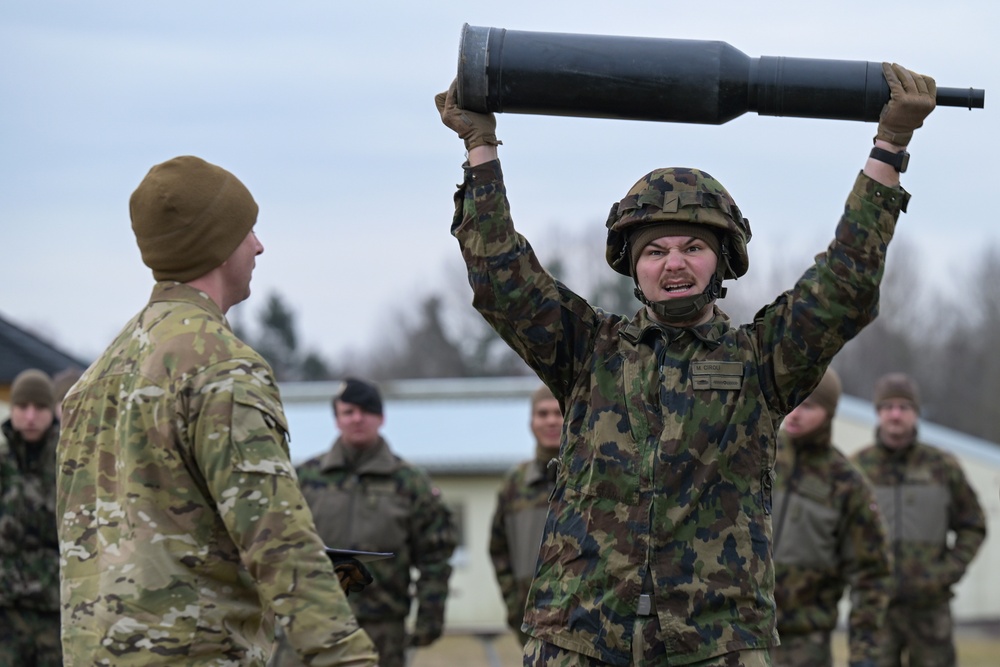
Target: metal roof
(21, 350)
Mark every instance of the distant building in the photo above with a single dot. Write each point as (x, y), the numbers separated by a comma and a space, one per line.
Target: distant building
(467, 432)
(20, 350)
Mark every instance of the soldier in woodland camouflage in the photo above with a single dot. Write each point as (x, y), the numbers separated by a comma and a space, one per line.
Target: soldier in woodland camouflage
(657, 544)
(365, 497)
(522, 505)
(827, 534)
(935, 525)
(29, 547)
(183, 534)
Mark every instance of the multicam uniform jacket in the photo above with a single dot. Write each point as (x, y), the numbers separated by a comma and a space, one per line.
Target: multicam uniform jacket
(923, 495)
(516, 533)
(385, 504)
(29, 547)
(669, 434)
(182, 529)
(828, 533)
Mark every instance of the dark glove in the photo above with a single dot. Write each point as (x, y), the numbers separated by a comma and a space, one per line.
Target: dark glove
(912, 98)
(477, 129)
(353, 575)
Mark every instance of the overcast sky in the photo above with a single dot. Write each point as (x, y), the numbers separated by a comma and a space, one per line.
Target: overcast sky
(324, 109)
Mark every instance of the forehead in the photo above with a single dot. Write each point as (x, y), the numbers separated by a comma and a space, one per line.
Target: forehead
(546, 405)
(665, 242)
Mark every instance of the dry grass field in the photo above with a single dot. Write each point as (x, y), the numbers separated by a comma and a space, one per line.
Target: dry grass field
(977, 647)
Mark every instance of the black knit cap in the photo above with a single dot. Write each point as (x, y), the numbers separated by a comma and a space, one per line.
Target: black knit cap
(360, 393)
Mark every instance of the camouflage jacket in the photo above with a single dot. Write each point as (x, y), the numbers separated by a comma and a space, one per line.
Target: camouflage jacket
(669, 434)
(385, 504)
(522, 504)
(183, 533)
(827, 534)
(923, 495)
(29, 547)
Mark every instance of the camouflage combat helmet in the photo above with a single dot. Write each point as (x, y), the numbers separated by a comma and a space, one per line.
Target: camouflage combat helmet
(686, 196)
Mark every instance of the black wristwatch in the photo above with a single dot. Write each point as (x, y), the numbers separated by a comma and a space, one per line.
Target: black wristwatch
(899, 160)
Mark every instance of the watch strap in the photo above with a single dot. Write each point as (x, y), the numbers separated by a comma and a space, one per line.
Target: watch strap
(899, 161)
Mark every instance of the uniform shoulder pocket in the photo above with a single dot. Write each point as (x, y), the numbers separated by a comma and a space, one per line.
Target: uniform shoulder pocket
(260, 431)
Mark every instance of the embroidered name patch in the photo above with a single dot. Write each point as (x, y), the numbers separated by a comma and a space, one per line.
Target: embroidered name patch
(717, 374)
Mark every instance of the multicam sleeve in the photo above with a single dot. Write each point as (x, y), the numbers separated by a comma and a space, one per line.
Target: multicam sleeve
(433, 539)
(833, 300)
(548, 326)
(243, 455)
(867, 557)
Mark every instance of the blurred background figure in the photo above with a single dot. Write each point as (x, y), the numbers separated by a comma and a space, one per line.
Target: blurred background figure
(827, 534)
(522, 505)
(365, 497)
(934, 521)
(61, 383)
(29, 546)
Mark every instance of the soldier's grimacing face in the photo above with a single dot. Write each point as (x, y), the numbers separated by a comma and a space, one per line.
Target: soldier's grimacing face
(31, 420)
(357, 427)
(547, 422)
(671, 267)
(804, 419)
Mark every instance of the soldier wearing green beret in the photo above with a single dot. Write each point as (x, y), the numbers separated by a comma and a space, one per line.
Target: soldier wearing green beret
(828, 535)
(657, 547)
(29, 547)
(935, 524)
(183, 534)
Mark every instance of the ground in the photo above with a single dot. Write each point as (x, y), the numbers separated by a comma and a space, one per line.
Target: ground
(978, 646)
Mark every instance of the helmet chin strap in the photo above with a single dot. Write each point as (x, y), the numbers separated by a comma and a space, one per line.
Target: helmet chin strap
(686, 308)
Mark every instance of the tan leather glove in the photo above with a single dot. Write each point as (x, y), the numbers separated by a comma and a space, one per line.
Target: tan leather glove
(477, 129)
(912, 98)
(353, 575)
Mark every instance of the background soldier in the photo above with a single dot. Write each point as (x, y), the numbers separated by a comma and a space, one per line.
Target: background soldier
(658, 544)
(29, 547)
(827, 534)
(61, 383)
(365, 497)
(522, 505)
(183, 532)
(923, 495)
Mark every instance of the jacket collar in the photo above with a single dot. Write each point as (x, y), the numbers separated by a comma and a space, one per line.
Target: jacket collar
(171, 290)
(382, 462)
(18, 448)
(710, 333)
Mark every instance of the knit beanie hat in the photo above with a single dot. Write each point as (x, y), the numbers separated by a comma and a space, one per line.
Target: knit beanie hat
(188, 217)
(360, 393)
(897, 385)
(543, 393)
(827, 392)
(32, 387)
(649, 233)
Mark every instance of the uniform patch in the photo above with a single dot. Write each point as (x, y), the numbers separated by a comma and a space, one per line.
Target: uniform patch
(717, 374)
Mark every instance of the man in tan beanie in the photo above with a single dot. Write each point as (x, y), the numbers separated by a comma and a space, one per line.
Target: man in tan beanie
(934, 521)
(184, 534)
(29, 548)
(522, 505)
(827, 535)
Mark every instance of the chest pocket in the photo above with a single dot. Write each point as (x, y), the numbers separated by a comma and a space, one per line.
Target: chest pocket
(381, 516)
